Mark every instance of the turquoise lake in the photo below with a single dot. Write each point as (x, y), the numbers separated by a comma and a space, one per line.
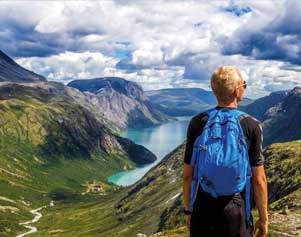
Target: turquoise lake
(160, 139)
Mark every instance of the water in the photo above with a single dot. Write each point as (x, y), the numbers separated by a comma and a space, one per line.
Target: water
(160, 139)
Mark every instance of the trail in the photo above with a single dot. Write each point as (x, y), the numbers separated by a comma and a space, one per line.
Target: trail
(38, 216)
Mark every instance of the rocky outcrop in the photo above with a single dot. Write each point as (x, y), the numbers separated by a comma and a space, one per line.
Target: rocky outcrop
(120, 101)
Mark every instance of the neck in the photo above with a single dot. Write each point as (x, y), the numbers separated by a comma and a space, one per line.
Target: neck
(232, 104)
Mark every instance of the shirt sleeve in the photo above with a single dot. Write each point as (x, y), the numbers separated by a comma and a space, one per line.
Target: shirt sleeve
(190, 138)
(255, 149)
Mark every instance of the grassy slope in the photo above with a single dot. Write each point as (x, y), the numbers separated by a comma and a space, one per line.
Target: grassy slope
(49, 146)
(148, 207)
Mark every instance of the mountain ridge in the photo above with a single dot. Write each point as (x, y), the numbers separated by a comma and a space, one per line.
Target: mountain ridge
(11, 71)
(121, 101)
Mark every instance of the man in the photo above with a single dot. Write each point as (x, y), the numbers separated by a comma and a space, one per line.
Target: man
(225, 216)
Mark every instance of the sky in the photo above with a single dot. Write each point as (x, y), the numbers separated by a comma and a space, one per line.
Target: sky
(158, 44)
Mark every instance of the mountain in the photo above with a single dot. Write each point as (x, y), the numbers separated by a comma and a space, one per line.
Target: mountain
(121, 101)
(11, 71)
(52, 148)
(259, 107)
(280, 115)
(154, 203)
(182, 101)
(185, 101)
(282, 121)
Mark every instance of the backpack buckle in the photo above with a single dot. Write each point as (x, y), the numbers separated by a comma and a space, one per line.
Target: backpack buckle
(203, 147)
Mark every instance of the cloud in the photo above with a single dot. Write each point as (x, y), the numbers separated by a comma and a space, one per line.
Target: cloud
(161, 44)
(69, 65)
(276, 37)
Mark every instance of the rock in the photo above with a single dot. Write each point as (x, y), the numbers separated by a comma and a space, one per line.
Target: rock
(286, 210)
(141, 235)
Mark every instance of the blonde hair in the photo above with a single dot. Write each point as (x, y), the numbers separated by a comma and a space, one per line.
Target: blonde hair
(224, 81)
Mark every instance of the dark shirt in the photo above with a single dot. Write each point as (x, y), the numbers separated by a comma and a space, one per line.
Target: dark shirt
(252, 131)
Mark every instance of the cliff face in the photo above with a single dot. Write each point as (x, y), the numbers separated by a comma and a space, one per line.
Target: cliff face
(121, 101)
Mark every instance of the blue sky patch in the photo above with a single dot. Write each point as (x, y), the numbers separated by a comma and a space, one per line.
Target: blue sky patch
(121, 53)
(237, 10)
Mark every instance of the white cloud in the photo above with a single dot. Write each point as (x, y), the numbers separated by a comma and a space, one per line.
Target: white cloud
(70, 65)
(169, 43)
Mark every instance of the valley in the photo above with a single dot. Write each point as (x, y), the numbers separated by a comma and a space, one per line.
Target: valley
(59, 144)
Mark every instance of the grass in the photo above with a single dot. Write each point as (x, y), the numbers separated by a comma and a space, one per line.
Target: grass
(49, 149)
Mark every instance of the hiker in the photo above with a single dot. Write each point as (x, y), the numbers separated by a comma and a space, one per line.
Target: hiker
(223, 160)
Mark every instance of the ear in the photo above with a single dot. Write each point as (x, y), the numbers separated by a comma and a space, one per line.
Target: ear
(236, 92)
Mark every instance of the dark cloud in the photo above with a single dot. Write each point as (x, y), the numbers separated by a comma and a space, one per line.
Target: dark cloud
(195, 72)
(277, 40)
(125, 64)
(21, 40)
(265, 45)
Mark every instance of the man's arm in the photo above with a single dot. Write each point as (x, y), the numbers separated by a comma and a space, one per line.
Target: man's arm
(259, 184)
(259, 181)
(187, 178)
(188, 169)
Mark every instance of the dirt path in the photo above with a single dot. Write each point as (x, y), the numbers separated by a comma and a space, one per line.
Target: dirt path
(38, 215)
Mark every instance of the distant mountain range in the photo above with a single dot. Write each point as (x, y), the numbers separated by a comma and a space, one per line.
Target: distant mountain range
(122, 102)
(185, 101)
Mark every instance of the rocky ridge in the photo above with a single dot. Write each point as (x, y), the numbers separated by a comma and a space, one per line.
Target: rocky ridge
(121, 101)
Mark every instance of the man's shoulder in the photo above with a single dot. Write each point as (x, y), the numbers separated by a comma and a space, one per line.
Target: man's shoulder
(249, 120)
(200, 116)
(199, 119)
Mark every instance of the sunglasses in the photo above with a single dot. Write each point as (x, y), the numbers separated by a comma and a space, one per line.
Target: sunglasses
(244, 85)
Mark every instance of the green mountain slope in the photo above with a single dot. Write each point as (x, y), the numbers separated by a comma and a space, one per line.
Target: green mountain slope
(51, 148)
(153, 203)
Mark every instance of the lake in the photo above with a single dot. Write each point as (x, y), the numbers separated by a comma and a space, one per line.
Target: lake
(160, 139)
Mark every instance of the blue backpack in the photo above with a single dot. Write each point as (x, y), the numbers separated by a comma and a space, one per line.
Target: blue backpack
(220, 157)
